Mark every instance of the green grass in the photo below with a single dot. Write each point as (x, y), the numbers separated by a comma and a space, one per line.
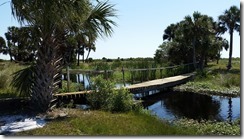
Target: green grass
(211, 127)
(101, 123)
(6, 71)
(216, 80)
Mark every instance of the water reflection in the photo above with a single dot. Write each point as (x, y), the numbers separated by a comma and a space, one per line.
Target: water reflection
(229, 110)
(172, 105)
(79, 78)
(85, 80)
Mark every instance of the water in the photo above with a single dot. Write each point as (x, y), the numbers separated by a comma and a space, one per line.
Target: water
(86, 81)
(173, 105)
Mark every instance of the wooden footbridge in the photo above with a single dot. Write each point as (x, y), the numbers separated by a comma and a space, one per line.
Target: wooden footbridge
(157, 84)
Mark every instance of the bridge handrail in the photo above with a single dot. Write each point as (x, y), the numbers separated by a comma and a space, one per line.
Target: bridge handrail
(128, 69)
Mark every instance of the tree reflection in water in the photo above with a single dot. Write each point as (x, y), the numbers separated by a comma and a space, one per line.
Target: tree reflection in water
(229, 110)
(188, 105)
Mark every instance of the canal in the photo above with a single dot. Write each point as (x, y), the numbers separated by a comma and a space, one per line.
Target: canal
(171, 105)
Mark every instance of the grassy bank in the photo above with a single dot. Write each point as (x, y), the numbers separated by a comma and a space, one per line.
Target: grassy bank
(216, 80)
(106, 123)
(100, 123)
(210, 128)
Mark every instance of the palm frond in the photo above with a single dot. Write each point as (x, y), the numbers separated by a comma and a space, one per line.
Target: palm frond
(99, 19)
(23, 81)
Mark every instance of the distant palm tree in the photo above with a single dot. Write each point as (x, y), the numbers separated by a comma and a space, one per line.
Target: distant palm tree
(20, 44)
(54, 20)
(230, 20)
(12, 41)
(91, 44)
(3, 47)
(91, 47)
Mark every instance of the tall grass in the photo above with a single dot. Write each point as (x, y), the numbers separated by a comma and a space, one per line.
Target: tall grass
(6, 71)
(100, 123)
(216, 80)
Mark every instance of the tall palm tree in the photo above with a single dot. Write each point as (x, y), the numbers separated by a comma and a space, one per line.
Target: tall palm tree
(199, 29)
(54, 20)
(194, 25)
(231, 21)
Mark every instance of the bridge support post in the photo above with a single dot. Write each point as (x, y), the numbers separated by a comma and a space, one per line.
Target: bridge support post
(68, 78)
(132, 77)
(123, 72)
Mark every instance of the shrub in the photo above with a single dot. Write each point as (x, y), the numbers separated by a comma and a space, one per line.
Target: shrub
(101, 96)
(122, 101)
(106, 97)
(201, 74)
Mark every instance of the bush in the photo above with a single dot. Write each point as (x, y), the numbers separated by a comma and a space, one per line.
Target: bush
(201, 74)
(101, 97)
(122, 101)
(106, 97)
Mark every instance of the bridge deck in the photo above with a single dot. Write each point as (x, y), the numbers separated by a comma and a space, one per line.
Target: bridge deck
(160, 83)
(146, 86)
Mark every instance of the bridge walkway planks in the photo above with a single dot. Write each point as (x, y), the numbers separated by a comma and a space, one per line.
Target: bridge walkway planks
(144, 86)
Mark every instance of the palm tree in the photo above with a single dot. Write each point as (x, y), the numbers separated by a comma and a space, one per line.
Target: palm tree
(3, 47)
(12, 41)
(91, 43)
(230, 20)
(91, 47)
(54, 20)
(194, 26)
(200, 30)
(218, 45)
(20, 44)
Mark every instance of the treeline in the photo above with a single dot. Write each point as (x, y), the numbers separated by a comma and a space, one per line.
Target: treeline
(198, 38)
(22, 44)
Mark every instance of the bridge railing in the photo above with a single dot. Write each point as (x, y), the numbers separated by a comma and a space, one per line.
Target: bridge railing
(130, 76)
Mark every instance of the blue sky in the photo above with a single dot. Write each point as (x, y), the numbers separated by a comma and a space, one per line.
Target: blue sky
(141, 24)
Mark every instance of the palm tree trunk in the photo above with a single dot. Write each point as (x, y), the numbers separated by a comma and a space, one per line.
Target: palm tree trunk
(194, 52)
(78, 53)
(88, 54)
(230, 52)
(83, 56)
(47, 70)
(10, 55)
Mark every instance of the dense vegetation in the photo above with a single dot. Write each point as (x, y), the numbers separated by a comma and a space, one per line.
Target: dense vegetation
(47, 44)
(216, 80)
(197, 38)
